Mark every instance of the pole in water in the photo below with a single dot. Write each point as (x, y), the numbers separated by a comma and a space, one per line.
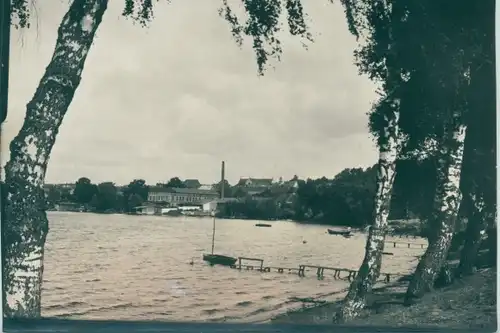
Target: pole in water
(213, 234)
(221, 197)
(222, 180)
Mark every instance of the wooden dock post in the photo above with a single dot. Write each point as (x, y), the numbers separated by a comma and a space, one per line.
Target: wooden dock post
(320, 271)
(250, 267)
(302, 270)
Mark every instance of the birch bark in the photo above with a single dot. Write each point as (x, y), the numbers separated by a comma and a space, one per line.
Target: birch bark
(390, 143)
(446, 205)
(369, 271)
(475, 233)
(26, 224)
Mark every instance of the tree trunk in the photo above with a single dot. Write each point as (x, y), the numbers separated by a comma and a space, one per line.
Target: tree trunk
(26, 224)
(446, 204)
(475, 233)
(491, 244)
(369, 271)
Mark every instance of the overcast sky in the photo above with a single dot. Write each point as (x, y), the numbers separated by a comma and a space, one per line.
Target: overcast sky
(178, 97)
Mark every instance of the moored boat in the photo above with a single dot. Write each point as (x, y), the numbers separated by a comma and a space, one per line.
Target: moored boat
(218, 259)
(346, 233)
(173, 213)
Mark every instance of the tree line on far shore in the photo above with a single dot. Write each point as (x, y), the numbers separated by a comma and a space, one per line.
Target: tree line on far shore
(101, 198)
(344, 200)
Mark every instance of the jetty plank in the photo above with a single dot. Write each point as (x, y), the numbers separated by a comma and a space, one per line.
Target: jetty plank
(301, 270)
(409, 244)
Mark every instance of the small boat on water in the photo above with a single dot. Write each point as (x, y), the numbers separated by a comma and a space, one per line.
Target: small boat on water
(173, 213)
(218, 259)
(263, 225)
(346, 233)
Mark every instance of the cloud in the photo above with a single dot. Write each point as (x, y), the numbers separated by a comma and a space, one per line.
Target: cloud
(178, 97)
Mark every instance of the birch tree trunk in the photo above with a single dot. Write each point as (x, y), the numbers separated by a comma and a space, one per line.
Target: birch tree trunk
(475, 233)
(491, 241)
(446, 204)
(369, 271)
(26, 224)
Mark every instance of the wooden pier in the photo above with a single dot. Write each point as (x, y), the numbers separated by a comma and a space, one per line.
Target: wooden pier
(409, 244)
(260, 267)
(302, 269)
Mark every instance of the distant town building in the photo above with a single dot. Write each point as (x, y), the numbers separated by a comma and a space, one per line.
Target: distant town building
(294, 183)
(148, 209)
(69, 207)
(70, 188)
(255, 182)
(254, 186)
(278, 181)
(192, 183)
(214, 204)
(180, 196)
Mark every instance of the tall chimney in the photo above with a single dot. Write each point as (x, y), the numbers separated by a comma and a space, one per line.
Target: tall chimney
(222, 181)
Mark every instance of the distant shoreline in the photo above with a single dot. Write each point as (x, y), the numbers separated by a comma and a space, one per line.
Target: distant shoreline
(401, 228)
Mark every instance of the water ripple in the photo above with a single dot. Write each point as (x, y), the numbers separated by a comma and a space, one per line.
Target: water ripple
(136, 267)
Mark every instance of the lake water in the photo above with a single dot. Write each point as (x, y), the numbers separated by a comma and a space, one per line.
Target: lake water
(138, 267)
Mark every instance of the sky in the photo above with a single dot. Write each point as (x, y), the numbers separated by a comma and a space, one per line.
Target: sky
(178, 97)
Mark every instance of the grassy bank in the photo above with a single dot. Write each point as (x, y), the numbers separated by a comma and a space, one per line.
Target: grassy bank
(468, 303)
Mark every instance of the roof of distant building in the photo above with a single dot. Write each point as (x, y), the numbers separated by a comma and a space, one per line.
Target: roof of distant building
(223, 200)
(193, 191)
(256, 181)
(192, 183)
(160, 189)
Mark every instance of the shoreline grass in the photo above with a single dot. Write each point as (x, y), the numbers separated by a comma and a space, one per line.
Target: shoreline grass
(468, 303)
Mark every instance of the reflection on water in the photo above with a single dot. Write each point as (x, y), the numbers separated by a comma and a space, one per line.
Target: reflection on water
(137, 267)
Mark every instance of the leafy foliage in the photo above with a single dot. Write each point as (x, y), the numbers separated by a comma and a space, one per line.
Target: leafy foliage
(106, 198)
(84, 190)
(175, 182)
(135, 194)
(262, 24)
(442, 52)
(345, 200)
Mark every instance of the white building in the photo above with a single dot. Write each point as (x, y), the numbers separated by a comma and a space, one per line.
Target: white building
(212, 205)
